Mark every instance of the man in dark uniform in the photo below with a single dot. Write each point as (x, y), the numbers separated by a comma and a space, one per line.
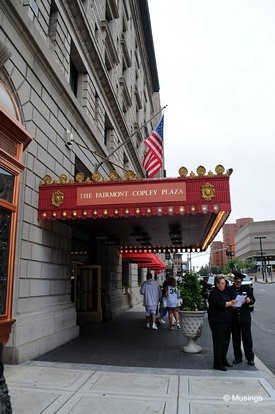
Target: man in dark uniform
(241, 320)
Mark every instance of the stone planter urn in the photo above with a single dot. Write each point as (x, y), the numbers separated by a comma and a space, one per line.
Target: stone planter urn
(192, 323)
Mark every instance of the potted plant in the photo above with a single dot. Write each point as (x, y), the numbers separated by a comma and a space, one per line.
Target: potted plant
(191, 311)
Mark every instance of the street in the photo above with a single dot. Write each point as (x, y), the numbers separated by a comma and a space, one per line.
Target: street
(263, 324)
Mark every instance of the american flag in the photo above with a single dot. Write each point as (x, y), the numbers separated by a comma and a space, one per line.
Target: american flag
(152, 161)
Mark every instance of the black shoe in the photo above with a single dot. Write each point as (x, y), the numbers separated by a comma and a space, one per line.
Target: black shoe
(251, 363)
(237, 361)
(220, 367)
(227, 364)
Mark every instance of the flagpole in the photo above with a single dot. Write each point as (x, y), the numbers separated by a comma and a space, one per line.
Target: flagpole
(130, 137)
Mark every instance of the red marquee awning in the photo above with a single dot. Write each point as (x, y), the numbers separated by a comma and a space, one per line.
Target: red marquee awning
(151, 215)
(145, 260)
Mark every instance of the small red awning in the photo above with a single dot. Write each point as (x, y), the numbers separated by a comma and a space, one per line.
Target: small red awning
(145, 260)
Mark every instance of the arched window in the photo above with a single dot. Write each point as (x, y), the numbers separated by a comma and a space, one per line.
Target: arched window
(13, 140)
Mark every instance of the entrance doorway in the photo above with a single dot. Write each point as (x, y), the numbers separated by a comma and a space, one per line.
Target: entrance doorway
(88, 294)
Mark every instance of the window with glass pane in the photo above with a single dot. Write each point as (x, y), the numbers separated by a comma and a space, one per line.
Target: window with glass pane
(5, 223)
(6, 185)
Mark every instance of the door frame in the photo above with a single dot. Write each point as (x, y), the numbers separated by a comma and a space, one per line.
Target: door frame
(86, 317)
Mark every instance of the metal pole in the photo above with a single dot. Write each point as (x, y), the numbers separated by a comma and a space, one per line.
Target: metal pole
(130, 137)
(262, 258)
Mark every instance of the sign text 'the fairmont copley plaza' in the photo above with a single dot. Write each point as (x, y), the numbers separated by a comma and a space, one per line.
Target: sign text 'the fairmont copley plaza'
(139, 193)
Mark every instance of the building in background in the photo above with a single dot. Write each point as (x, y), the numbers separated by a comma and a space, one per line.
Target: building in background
(229, 231)
(224, 252)
(177, 258)
(256, 241)
(216, 256)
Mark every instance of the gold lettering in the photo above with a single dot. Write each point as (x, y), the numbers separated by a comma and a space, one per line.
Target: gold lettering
(172, 191)
(86, 195)
(144, 193)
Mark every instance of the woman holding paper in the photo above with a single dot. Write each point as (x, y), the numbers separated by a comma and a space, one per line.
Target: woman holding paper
(219, 317)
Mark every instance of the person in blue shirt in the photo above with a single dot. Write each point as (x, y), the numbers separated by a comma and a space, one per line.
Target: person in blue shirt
(151, 296)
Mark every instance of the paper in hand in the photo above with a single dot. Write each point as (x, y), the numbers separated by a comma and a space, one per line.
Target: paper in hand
(240, 300)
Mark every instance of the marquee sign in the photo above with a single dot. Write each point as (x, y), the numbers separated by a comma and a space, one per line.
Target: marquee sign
(131, 193)
(143, 215)
(165, 196)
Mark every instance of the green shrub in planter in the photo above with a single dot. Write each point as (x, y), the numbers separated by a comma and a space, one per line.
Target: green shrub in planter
(191, 293)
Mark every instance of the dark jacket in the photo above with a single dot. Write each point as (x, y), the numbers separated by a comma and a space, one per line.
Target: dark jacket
(242, 313)
(217, 311)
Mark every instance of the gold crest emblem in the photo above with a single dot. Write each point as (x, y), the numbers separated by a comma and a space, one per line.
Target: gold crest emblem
(129, 175)
(47, 179)
(113, 175)
(183, 172)
(57, 198)
(96, 176)
(201, 170)
(219, 169)
(207, 191)
(79, 178)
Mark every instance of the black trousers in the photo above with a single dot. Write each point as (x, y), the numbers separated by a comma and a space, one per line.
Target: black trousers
(221, 338)
(241, 331)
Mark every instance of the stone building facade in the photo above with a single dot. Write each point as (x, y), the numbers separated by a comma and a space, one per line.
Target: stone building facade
(83, 76)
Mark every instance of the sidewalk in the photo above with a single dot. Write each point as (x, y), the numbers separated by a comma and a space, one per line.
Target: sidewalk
(266, 278)
(140, 372)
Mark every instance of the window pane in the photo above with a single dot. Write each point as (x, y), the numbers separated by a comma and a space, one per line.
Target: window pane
(5, 223)
(6, 185)
(6, 101)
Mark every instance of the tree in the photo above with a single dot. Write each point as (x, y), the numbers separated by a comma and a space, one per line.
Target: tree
(204, 271)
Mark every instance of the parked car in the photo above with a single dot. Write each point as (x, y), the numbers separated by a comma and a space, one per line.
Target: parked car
(211, 280)
(247, 281)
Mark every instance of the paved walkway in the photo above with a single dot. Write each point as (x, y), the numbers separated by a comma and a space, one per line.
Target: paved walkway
(119, 367)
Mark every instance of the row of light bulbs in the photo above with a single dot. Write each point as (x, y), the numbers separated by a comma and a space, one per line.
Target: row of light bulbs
(159, 211)
(158, 249)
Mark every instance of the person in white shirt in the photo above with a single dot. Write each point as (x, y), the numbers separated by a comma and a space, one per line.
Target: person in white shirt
(173, 295)
(151, 296)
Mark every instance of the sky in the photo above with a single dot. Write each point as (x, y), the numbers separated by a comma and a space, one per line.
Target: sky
(216, 66)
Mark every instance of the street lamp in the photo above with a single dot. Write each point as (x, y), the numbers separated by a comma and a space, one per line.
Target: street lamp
(261, 252)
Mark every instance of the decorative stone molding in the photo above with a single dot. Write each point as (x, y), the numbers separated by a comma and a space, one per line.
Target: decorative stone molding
(125, 50)
(125, 92)
(109, 44)
(5, 53)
